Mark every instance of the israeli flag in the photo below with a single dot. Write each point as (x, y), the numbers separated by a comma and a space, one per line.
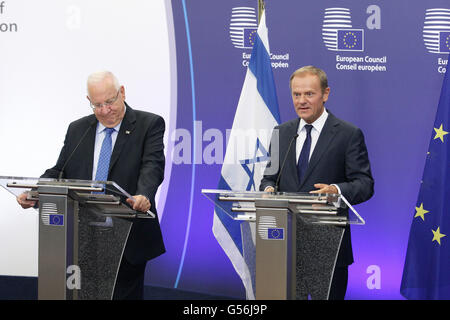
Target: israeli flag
(246, 156)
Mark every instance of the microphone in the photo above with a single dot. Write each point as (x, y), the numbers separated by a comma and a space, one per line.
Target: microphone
(74, 149)
(284, 161)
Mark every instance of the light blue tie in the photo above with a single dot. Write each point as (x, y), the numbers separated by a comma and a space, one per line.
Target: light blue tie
(102, 170)
(105, 156)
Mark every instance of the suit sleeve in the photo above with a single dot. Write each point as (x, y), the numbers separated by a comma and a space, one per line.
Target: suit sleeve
(153, 161)
(359, 185)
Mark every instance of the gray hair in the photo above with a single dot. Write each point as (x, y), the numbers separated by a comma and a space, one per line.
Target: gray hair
(314, 71)
(99, 76)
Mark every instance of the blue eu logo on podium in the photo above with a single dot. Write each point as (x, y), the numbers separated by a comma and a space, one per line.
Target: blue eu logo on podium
(275, 233)
(350, 40)
(56, 220)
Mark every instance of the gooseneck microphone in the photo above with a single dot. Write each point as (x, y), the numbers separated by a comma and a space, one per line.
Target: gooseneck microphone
(91, 125)
(284, 161)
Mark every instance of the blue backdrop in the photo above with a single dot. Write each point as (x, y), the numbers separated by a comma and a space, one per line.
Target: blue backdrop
(383, 78)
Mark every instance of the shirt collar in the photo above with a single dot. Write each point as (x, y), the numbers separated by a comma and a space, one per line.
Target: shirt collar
(101, 127)
(318, 124)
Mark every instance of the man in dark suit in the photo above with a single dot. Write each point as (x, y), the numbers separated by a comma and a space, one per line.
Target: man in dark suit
(136, 164)
(334, 156)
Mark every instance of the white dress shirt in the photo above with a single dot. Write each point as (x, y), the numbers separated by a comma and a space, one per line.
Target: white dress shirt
(315, 133)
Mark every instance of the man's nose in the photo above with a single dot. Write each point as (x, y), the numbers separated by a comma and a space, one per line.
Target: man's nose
(105, 109)
(301, 99)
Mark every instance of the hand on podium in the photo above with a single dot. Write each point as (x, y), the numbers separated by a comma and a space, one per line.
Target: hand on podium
(139, 203)
(325, 188)
(24, 202)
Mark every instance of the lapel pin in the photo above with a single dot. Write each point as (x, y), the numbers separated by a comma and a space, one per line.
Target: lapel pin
(127, 132)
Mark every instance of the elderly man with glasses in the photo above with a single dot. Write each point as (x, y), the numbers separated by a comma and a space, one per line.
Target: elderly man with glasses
(132, 156)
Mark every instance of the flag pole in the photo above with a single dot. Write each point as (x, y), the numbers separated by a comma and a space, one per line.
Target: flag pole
(261, 7)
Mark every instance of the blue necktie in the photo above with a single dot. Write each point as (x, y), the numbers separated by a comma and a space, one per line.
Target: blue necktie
(105, 156)
(102, 170)
(303, 160)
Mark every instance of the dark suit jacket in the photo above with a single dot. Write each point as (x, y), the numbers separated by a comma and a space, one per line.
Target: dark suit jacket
(340, 157)
(137, 165)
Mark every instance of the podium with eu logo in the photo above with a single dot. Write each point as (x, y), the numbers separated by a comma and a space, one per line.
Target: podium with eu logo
(288, 242)
(83, 230)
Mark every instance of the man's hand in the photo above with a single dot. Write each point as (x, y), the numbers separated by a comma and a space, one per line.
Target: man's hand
(269, 189)
(139, 203)
(325, 188)
(24, 203)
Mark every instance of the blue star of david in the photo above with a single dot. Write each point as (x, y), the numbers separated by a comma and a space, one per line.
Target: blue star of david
(249, 164)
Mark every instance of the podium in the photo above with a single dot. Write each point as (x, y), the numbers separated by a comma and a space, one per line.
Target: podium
(83, 230)
(297, 237)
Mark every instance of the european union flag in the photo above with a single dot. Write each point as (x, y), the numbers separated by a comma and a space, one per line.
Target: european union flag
(249, 37)
(426, 274)
(444, 41)
(350, 39)
(275, 233)
(56, 220)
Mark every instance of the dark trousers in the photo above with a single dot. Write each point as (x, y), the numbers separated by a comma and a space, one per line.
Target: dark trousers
(130, 281)
(339, 283)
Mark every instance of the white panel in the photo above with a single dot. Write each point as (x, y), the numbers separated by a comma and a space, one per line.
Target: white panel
(44, 66)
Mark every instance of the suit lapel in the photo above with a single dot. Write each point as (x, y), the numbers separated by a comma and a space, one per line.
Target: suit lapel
(126, 129)
(326, 137)
(88, 147)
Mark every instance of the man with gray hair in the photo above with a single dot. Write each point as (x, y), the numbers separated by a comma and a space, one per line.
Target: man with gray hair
(135, 162)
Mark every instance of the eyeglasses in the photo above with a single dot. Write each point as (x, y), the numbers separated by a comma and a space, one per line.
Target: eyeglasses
(107, 103)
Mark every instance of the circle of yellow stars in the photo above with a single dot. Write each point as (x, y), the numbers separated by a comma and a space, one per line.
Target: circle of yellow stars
(251, 37)
(421, 211)
(347, 40)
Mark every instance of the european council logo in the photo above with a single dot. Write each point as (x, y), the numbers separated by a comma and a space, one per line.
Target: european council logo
(338, 33)
(350, 40)
(243, 27)
(268, 230)
(275, 233)
(49, 215)
(56, 220)
(436, 33)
